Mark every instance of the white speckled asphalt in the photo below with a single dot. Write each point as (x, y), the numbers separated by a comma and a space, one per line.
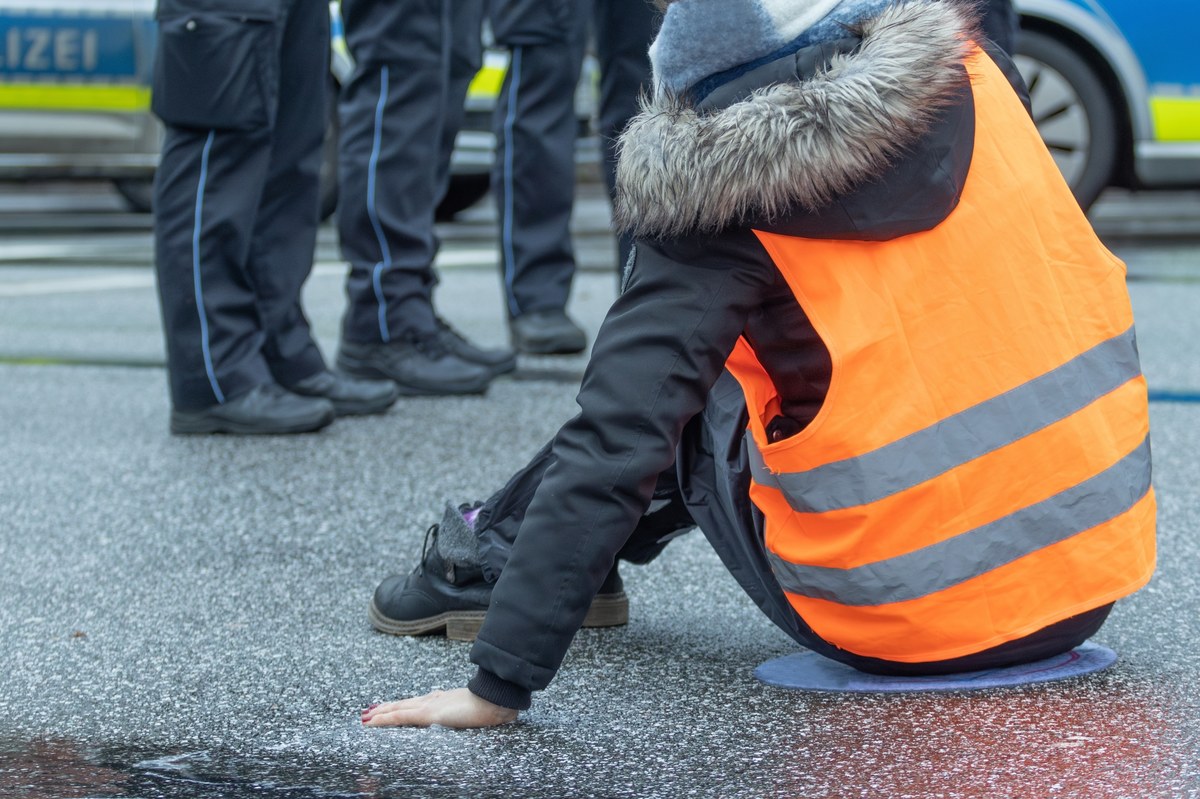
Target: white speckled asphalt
(185, 617)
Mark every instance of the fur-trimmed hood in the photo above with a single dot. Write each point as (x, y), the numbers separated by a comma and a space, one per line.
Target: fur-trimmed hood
(795, 145)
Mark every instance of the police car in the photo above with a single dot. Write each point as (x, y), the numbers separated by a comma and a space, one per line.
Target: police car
(75, 92)
(75, 81)
(1115, 86)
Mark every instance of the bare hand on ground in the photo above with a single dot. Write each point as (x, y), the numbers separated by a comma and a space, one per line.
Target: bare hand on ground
(458, 708)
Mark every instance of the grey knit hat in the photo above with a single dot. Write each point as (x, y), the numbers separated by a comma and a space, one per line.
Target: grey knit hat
(701, 38)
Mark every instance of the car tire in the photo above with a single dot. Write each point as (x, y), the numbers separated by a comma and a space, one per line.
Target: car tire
(1073, 111)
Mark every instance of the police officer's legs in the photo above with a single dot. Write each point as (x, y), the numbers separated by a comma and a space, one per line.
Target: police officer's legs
(391, 120)
(285, 231)
(464, 59)
(623, 31)
(206, 192)
(534, 176)
(247, 216)
(214, 163)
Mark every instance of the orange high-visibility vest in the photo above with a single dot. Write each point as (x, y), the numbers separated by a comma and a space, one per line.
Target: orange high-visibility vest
(980, 468)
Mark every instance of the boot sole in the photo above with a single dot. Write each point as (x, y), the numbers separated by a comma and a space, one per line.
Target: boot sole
(364, 407)
(499, 369)
(607, 610)
(548, 347)
(367, 371)
(186, 426)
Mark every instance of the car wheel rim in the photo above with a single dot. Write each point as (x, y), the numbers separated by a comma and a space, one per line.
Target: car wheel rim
(1059, 115)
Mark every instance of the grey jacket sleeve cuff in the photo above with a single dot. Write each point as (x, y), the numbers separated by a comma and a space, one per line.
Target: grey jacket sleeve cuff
(499, 691)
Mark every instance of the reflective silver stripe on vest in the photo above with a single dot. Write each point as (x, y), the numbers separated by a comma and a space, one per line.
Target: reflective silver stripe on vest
(960, 438)
(970, 554)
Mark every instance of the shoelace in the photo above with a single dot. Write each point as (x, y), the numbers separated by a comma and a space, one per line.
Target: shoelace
(430, 535)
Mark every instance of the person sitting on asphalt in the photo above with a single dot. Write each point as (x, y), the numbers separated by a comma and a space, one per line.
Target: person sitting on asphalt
(868, 344)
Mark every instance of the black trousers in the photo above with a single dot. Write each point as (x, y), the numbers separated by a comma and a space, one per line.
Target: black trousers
(464, 60)
(533, 179)
(709, 488)
(392, 114)
(240, 88)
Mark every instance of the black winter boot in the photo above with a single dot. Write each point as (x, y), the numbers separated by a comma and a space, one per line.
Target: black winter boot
(442, 595)
(438, 595)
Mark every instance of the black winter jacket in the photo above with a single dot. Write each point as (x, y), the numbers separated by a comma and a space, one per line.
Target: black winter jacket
(700, 279)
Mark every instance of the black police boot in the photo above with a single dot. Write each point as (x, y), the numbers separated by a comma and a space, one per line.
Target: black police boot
(418, 364)
(549, 332)
(264, 410)
(350, 396)
(498, 361)
(439, 595)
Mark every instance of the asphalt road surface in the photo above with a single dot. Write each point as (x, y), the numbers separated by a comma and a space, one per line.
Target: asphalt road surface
(186, 617)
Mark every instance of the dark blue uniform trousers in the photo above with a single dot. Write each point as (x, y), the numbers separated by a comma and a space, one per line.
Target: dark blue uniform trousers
(465, 58)
(392, 114)
(536, 126)
(240, 86)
